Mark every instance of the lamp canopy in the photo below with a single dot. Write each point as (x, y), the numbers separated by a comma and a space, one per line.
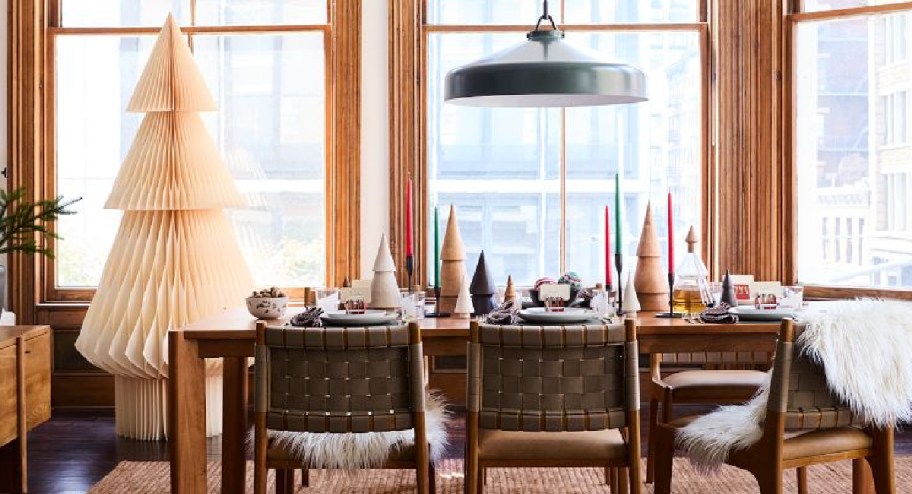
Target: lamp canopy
(544, 71)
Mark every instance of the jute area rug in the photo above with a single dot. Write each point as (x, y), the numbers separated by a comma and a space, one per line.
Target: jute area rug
(151, 477)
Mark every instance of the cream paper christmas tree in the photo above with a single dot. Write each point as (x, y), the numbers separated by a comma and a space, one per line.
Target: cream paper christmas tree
(452, 265)
(384, 289)
(175, 258)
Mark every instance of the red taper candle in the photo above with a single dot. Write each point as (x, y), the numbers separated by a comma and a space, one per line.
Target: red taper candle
(408, 217)
(671, 244)
(607, 248)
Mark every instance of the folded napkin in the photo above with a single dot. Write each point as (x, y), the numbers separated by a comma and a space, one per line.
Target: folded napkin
(719, 314)
(506, 314)
(310, 318)
(583, 299)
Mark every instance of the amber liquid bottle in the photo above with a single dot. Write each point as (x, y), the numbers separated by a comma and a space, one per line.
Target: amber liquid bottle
(690, 281)
(687, 301)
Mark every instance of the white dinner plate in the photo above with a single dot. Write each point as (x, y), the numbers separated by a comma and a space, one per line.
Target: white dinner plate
(370, 317)
(755, 314)
(570, 315)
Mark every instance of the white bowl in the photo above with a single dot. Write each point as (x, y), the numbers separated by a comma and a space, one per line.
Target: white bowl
(267, 307)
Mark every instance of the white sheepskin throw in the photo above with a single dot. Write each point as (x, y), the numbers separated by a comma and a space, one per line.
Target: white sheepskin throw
(352, 451)
(864, 348)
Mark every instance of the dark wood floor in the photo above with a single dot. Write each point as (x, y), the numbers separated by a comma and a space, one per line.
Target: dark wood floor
(77, 448)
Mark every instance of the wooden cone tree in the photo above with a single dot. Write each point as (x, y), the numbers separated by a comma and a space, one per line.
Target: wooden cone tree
(510, 290)
(384, 290)
(650, 279)
(175, 258)
(452, 264)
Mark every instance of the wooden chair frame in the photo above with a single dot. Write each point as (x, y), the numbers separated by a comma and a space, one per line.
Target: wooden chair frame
(617, 473)
(662, 392)
(424, 469)
(764, 460)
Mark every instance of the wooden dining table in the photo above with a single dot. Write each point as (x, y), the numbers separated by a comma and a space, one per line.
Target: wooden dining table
(231, 335)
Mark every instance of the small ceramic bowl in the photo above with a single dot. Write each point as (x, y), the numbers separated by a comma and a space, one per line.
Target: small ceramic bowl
(267, 307)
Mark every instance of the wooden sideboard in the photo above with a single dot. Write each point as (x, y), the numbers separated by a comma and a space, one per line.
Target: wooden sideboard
(25, 397)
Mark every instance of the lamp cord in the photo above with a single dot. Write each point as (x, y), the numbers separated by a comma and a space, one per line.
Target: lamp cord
(545, 17)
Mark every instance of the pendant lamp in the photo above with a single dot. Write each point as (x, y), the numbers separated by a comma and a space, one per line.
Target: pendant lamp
(544, 71)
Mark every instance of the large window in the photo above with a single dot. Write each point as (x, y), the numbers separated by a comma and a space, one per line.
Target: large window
(265, 62)
(530, 185)
(853, 151)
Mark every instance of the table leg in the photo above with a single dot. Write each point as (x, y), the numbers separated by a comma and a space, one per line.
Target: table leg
(13, 477)
(186, 415)
(234, 423)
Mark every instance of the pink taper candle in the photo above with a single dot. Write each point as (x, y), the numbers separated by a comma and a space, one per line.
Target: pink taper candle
(671, 244)
(607, 249)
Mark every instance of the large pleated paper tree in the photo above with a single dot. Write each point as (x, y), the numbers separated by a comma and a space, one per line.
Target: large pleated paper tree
(175, 258)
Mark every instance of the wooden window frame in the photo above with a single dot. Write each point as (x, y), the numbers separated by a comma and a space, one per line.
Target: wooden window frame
(34, 27)
(408, 120)
(794, 15)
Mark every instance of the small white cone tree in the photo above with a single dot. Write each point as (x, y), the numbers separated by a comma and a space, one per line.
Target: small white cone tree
(384, 288)
(175, 258)
(631, 303)
(464, 307)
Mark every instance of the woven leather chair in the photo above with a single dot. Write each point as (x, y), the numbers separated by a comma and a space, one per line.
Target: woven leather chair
(558, 396)
(805, 425)
(338, 380)
(699, 386)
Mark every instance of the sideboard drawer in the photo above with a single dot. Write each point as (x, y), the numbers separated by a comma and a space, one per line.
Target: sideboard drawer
(8, 413)
(38, 379)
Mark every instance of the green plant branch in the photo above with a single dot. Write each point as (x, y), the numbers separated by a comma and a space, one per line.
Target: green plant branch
(25, 225)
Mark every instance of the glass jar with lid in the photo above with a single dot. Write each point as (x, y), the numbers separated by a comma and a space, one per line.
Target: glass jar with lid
(690, 294)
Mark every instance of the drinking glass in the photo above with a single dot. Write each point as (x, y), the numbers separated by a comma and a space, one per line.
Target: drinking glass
(413, 306)
(418, 298)
(792, 297)
(715, 289)
(328, 299)
(602, 303)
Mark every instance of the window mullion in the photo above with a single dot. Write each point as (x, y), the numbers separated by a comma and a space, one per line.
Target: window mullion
(563, 189)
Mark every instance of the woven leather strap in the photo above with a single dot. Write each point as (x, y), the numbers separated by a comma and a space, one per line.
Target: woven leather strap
(340, 379)
(551, 378)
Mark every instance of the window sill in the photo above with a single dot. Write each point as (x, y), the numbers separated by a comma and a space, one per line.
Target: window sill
(821, 292)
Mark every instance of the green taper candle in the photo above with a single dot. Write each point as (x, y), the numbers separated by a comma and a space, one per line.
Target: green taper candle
(617, 215)
(436, 246)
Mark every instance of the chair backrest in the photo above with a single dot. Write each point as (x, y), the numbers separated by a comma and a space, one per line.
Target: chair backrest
(339, 379)
(798, 387)
(553, 378)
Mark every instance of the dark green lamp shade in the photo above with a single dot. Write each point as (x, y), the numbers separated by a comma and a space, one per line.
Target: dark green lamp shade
(544, 71)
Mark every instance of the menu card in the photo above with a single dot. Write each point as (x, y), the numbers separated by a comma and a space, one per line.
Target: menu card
(561, 291)
(349, 293)
(742, 285)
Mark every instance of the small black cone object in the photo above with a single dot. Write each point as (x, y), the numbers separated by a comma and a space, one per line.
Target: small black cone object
(728, 291)
(482, 288)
